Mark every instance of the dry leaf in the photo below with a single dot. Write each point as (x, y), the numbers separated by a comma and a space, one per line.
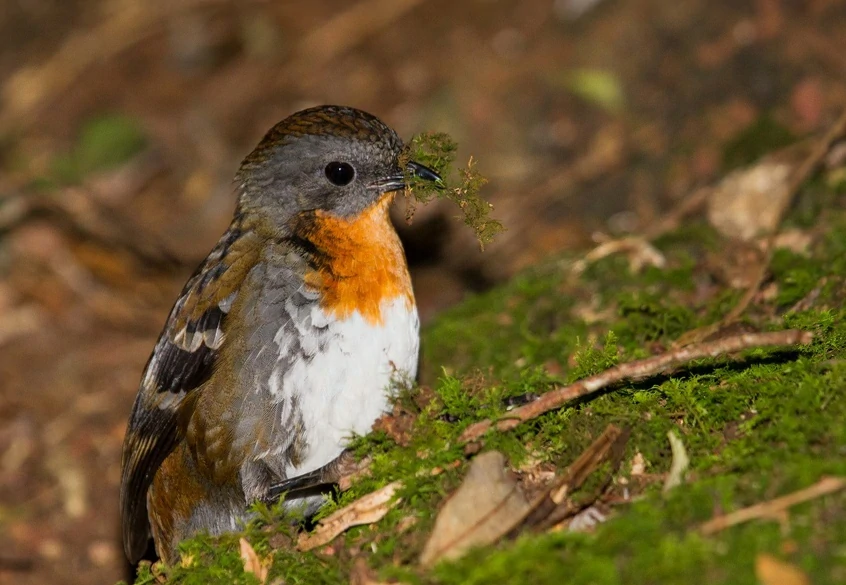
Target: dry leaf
(774, 508)
(771, 571)
(638, 465)
(484, 508)
(749, 202)
(366, 510)
(252, 563)
(797, 241)
(398, 425)
(406, 523)
(680, 462)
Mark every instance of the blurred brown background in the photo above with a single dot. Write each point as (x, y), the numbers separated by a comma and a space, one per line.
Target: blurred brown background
(123, 121)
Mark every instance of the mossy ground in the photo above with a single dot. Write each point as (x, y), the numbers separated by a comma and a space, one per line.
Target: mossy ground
(754, 428)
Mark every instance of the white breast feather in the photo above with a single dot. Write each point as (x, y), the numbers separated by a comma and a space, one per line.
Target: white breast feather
(345, 386)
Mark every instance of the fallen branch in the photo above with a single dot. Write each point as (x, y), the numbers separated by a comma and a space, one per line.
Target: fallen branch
(772, 508)
(555, 506)
(636, 370)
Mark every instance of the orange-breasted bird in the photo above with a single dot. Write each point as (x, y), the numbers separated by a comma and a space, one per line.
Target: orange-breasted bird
(285, 340)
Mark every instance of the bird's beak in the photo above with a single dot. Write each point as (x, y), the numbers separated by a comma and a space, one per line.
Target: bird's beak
(398, 181)
(424, 172)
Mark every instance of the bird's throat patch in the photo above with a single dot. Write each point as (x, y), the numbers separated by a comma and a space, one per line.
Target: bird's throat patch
(357, 263)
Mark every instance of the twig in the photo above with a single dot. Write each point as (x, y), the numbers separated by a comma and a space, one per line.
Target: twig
(641, 253)
(555, 494)
(557, 506)
(672, 220)
(636, 370)
(641, 244)
(588, 462)
(825, 486)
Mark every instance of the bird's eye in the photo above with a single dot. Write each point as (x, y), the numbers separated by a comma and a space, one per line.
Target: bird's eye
(340, 173)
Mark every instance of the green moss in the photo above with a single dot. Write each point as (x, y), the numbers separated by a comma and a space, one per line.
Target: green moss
(437, 151)
(762, 137)
(653, 545)
(591, 360)
(756, 426)
(797, 275)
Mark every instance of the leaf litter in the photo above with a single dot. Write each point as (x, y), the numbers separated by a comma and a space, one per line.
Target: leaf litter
(252, 563)
(484, 508)
(366, 510)
(680, 462)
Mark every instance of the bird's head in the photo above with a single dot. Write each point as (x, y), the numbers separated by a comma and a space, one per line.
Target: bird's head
(332, 159)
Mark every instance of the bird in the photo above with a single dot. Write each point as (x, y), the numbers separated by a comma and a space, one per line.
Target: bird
(286, 339)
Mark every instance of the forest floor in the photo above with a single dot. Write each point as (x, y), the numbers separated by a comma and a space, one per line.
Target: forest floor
(122, 123)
